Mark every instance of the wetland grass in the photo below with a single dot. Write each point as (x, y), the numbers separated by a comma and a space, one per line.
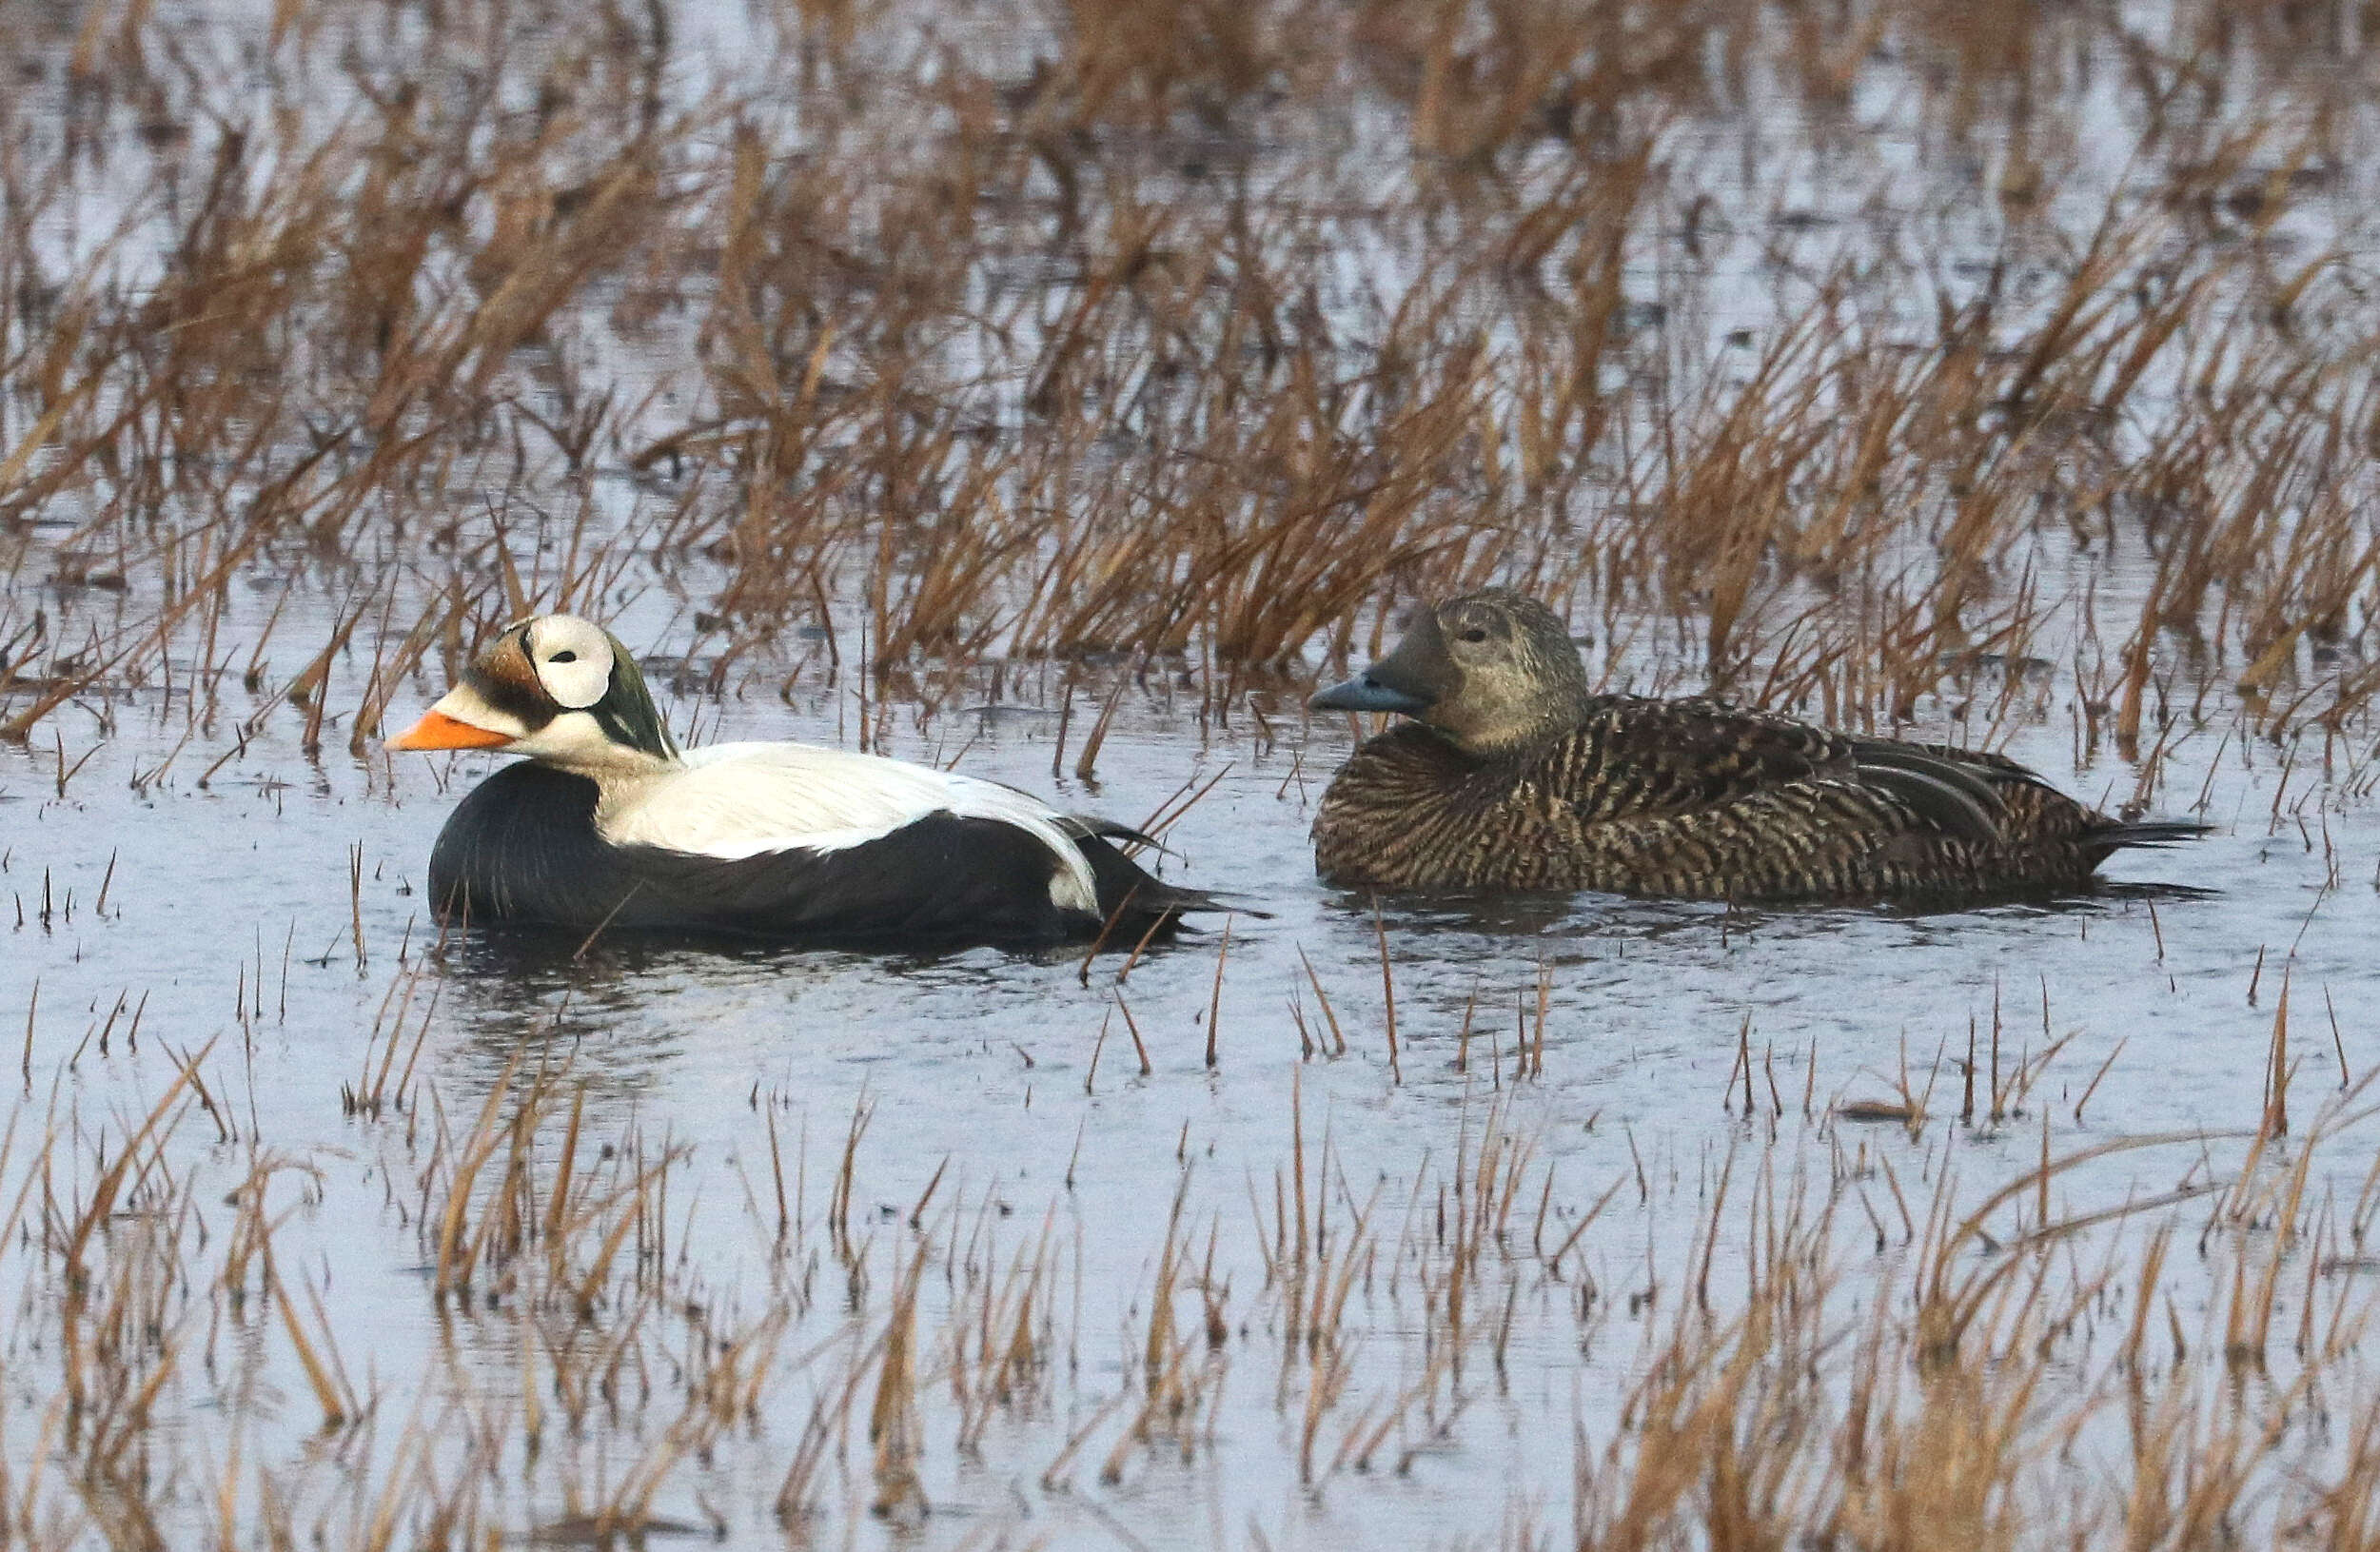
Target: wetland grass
(1157, 358)
(379, 334)
(1924, 1408)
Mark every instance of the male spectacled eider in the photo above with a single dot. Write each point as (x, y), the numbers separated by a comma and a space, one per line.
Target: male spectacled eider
(1513, 774)
(609, 823)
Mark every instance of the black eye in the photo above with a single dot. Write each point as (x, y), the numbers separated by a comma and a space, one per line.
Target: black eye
(1475, 633)
(564, 658)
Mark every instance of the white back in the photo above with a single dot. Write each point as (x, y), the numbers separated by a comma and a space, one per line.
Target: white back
(742, 800)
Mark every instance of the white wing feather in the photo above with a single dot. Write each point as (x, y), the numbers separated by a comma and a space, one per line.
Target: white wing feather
(742, 800)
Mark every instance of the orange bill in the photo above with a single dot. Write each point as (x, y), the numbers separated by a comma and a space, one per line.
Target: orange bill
(436, 730)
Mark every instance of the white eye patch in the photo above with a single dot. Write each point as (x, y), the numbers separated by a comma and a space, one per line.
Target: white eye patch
(573, 659)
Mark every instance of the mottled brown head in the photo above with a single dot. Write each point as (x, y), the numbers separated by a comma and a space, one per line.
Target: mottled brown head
(1492, 671)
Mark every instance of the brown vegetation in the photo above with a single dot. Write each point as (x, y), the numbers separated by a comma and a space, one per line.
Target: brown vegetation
(1101, 345)
(1209, 337)
(1831, 1350)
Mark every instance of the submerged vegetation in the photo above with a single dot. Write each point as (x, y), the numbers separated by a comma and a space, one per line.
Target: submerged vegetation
(2001, 370)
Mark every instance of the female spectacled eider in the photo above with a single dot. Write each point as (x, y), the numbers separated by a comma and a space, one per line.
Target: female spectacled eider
(609, 823)
(1513, 774)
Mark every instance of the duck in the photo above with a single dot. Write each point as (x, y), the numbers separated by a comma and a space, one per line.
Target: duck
(1507, 771)
(609, 824)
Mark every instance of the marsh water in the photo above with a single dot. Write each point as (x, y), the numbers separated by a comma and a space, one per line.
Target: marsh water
(231, 893)
(230, 910)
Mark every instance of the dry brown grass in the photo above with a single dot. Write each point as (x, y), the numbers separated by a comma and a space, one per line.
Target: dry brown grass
(1823, 1349)
(1150, 349)
(1172, 347)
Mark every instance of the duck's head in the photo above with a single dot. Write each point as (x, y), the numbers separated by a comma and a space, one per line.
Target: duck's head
(558, 688)
(1491, 671)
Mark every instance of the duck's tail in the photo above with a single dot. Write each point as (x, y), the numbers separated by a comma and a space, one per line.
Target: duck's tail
(1132, 900)
(1965, 795)
(2118, 833)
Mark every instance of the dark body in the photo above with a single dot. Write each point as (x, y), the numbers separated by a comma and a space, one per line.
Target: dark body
(1696, 799)
(524, 847)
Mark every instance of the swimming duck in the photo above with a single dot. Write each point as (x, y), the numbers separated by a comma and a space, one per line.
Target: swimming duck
(1513, 773)
(609, 822)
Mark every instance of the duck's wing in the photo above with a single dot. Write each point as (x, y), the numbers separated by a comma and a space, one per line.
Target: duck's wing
(732, 802)
(1960, 794)
(1676, 756)
(1673, 757)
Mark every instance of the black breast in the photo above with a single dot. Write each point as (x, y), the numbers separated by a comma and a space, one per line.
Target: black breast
(522, 847)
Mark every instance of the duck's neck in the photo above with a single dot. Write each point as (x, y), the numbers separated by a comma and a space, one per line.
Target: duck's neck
(1519, 740)
(615, 769)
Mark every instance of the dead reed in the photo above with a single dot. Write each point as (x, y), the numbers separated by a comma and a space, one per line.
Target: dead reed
(1026, 369)
(1842, 1332)
(1159, 353)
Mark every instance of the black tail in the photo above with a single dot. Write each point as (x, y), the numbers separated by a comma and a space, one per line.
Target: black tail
(1132, 900)
(2120, 834)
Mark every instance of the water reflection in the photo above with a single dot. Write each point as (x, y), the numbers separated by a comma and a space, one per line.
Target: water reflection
(1555, 914)
(633, 1005)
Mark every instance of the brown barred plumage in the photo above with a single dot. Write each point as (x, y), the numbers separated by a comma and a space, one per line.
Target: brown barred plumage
(1686, 798)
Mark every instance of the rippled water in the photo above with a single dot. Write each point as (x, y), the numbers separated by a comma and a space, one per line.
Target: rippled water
(981, 1059)
(206, 882)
